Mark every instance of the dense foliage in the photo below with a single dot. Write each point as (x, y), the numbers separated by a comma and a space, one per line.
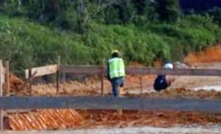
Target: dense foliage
(36, 32)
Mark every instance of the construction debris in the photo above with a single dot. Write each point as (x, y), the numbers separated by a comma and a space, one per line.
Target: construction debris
(15, 83)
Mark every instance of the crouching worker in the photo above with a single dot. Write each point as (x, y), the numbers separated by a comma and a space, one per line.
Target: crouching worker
(116, 71)
(163, 81)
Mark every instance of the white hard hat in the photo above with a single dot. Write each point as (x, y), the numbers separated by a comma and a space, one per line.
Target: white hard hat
(168, 66)
(115, 51)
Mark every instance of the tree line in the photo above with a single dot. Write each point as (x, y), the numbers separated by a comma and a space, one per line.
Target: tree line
(77, 14)
(85, 31)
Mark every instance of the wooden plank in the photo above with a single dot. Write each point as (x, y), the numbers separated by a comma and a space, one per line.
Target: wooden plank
(154, 71)
(115, 103)
(138, 71)
(42, 71)
(81, 69)
(3, 73)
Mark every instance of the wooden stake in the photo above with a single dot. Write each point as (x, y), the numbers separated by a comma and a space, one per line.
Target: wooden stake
(141, 84)
(102, 78)
(30, 82)
(7, 78)
(1, 94)
(58, 75)
(120, 94)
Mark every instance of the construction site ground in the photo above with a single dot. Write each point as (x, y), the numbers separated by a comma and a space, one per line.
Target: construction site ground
(154, 121)
(134, 130)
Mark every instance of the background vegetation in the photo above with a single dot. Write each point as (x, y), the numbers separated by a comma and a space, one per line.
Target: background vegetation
(36, 32)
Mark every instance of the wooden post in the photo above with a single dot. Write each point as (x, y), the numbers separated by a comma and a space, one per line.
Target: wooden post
(58, 74)
(102, 78)
(30, 82)
(141, 84)
(63, 77)
(7, 78)
(1, 94)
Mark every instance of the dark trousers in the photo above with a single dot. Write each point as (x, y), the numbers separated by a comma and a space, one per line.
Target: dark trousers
(116, 83)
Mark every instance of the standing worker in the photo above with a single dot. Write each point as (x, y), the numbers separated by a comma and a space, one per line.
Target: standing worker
(163, 81)
(116, 71)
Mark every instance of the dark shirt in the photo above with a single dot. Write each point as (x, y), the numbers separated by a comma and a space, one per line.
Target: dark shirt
(160, 83)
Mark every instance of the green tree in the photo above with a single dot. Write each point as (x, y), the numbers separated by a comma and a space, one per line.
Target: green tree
(167, 10)
(216, 14)
(140, 6)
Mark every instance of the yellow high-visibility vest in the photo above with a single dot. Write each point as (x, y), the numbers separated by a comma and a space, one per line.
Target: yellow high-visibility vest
(116, 67)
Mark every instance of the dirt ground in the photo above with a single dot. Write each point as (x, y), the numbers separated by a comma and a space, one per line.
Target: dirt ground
(184, 86)
(111, 118)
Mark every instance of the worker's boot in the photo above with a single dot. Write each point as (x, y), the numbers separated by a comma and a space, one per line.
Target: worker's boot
(120, 91)
(120, 94)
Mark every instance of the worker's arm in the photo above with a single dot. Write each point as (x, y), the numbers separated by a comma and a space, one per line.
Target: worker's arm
(108, 68)
(170, 80)
(122, 84)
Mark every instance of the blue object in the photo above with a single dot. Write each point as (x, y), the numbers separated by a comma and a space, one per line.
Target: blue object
(116, 83)
(160, 83)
